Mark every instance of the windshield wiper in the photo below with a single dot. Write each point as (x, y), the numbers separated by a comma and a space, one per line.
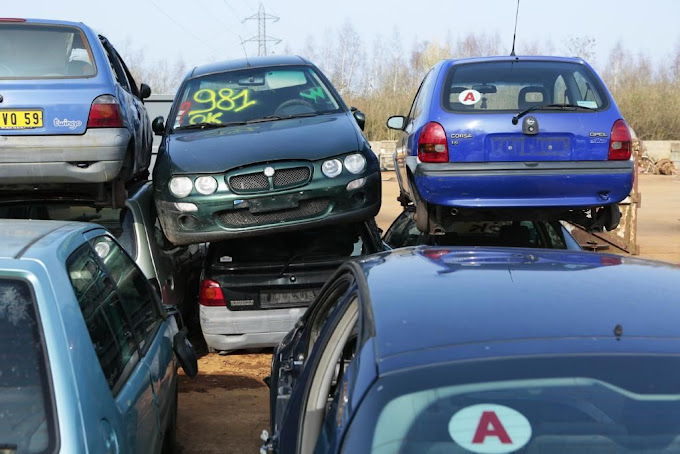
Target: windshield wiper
(282, 117)
(209, 125)
(516, 118)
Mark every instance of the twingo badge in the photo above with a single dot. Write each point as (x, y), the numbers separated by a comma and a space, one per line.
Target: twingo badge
(490, 429)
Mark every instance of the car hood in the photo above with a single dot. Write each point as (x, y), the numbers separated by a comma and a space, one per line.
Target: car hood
(220, 150)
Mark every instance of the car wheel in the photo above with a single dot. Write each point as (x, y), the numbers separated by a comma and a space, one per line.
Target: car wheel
(422, 217)
(169, 437)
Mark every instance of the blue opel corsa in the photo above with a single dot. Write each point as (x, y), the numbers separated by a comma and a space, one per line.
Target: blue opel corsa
(506, 133)
(72, 117)
(88, 354)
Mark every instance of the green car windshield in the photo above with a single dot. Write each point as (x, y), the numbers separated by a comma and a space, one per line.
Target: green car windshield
(253, 95)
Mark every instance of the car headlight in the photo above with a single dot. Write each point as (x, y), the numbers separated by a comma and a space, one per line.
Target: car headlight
(205, 185)
(331, 168)
(355, 163)
(181, 186)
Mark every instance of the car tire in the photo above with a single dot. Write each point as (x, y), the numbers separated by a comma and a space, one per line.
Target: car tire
(170, 436)
(422, 217)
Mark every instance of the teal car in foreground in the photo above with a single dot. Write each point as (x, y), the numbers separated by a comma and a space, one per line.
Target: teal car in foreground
(88, 353)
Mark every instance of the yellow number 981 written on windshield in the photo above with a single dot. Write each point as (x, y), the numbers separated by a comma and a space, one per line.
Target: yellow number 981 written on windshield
(214, 104)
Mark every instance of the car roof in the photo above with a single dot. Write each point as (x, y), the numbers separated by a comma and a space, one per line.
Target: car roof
(515, 58)
(425, 298)
(251, 62)
(46, 22)
(19, 236)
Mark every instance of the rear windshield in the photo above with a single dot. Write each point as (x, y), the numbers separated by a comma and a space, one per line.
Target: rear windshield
(330, 243)
(254, 94)
(587, 404)
(44, 51)
(518, 85)
(27, 422)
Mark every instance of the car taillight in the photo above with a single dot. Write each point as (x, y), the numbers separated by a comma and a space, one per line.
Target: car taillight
(432, 145)
(619, 142)
(211, 294)
(105, 113)
(11, 19)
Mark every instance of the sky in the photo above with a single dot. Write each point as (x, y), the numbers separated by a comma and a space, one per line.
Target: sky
(201, 31)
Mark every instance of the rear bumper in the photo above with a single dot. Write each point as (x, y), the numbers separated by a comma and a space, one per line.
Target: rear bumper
(94, 157)
(230, 330)
(524, 184)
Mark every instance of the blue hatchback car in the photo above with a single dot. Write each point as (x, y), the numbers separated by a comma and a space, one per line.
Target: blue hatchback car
(508, 133)
(86, 347)
(483, 350)
(72, 118)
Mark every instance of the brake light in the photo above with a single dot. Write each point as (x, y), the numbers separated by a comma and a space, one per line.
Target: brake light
(11, 19)
(211, 294)
(432, 145)
(105, 113)
(619, 142)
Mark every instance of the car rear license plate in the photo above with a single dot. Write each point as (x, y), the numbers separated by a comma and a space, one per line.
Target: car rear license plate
(286, 298)
(21, 119)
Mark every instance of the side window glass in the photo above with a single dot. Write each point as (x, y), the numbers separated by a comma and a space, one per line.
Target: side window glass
(419, 100)
(556, 237)
(128, 75)
(403, 232)
(102, 310)
(136, 295)
(116, 67)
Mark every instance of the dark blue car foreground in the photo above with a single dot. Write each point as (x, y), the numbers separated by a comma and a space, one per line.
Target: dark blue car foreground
(483, 350)
(512, 132)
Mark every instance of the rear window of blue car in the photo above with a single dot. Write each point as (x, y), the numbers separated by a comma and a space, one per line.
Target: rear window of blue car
(27, 422)
(500, 86)
(29, 51)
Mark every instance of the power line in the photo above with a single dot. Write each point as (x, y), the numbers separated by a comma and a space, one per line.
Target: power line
(181, 26)
(262, 39)
(236, 13)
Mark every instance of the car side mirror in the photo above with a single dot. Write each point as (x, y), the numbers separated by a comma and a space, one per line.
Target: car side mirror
(144, 91)
(359, 117)
(158, 125)
(396, 122)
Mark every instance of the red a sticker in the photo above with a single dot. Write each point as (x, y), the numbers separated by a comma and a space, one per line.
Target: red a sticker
(490, 426)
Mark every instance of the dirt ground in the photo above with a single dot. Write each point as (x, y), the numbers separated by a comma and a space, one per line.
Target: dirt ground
(226, 407)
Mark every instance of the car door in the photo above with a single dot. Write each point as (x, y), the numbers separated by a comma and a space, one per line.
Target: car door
(290, 356)
(336, 333)
(129, 104)
(135, 427)
(153, 334)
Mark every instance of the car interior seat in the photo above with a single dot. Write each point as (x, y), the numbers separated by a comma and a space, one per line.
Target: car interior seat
(537, 96)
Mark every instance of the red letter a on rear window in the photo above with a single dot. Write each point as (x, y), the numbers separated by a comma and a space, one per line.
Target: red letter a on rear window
(490, 426)
(470, 97)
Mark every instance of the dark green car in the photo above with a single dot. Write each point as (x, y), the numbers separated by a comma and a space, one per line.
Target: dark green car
(257, 146)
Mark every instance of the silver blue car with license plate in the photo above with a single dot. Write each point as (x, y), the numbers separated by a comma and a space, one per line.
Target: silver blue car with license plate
(72, 118)
(89, 354)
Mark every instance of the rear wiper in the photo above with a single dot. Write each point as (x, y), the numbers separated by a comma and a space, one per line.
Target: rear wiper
(209, 125)
(282, 117)
(516, 118)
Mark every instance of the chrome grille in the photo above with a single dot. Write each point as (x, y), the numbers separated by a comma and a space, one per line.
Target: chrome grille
(242, 218)
(249, 182)
(289, 177)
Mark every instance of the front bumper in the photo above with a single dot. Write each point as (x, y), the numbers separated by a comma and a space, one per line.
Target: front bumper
(94, 157)
(230, 330)
(222, 216)
(574, 184)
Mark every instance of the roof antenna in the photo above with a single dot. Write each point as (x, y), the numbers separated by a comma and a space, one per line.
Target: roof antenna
(512, 53)
(246, 53)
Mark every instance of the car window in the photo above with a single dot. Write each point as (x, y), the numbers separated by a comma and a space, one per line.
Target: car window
(128, 75)
(252, 94)
(116, 66)
(501, 86)
(421, 96)
(568, 404)
(26, 413)
(44, 51)
(140, 306)
(403, 232)
(555, 235)
(102, 308)
(324, 308)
